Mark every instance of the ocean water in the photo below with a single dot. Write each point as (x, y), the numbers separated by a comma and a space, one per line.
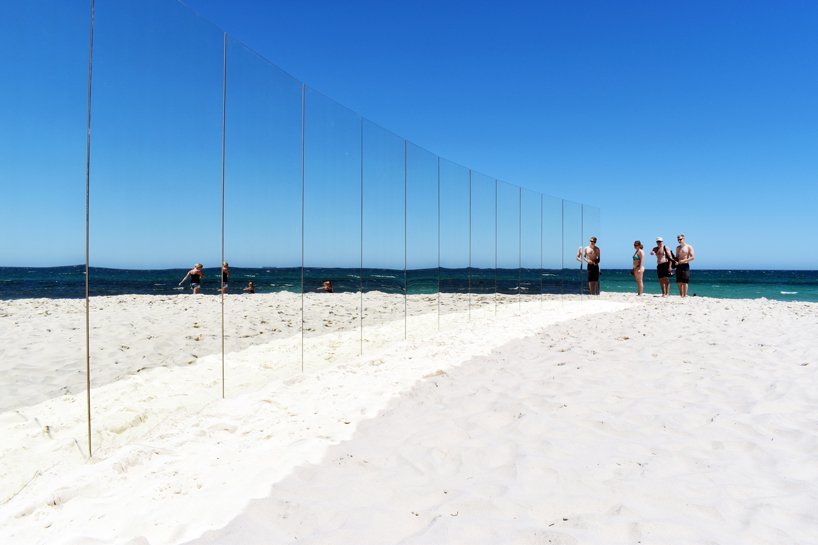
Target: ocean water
(729, 284)
(69, 282)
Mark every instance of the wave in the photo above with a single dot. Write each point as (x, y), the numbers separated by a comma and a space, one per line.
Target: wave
(788, 292)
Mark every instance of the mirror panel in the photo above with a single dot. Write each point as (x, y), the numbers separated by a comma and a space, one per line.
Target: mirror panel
(44, 92)
(573, 269)
(551, 247)
(384, 239)
(483, 272)
(156, 204)
(262, 203)
(422, 241)
(332, 230)
(530, 246)
(454, 243)
(508, 247)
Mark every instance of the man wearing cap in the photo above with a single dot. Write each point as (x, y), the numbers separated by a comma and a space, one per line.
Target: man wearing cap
(592, 255)
(662, 265)
(684, 255)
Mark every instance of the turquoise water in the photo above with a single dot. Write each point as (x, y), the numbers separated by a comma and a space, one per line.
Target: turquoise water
(69, 282)
(778, 285)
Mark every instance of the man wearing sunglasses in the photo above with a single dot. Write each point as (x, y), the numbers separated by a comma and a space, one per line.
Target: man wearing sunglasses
(684, 255)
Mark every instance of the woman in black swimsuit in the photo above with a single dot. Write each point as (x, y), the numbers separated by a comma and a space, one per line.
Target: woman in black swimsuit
(196, 276)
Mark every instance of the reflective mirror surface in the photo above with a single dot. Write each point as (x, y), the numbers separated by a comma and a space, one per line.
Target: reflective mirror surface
(262, 220)
(332, 230)
(43, 131)
(156, 325)
(454, 243)
(483, 252)
(530, 246)
(574, 270)
(508, 247)
(422, 240)
(384, 235)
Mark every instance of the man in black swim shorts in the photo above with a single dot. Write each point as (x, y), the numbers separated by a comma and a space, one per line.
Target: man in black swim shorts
(684, 255)
(662, 265)
(591, 254)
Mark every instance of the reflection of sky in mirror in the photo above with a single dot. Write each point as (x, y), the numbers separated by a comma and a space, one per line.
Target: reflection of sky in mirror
(368, 197)
(43, 91)
(530, 229)
(483, 221)
(383, 198)
(421, 208)
(454, 215)
(508, 226)
(157, 133)
(262, 163)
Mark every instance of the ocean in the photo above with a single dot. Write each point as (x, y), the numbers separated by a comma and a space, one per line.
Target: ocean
(69, 281)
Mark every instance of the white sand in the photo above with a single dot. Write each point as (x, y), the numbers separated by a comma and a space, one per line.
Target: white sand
(657, 421)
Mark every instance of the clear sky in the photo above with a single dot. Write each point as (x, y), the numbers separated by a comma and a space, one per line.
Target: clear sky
(698, 117)
(694, 117)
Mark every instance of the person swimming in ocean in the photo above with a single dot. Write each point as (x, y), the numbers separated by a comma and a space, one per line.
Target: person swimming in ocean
(326, 286)
(251, 288)
(684, 255)
(196, 274)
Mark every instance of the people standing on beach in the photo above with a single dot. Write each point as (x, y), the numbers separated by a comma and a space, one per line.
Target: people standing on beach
(663, 258)
(196, 274)
(638, 271)
(225, 276)
(251, 288)
(591, 254)
(684, 255)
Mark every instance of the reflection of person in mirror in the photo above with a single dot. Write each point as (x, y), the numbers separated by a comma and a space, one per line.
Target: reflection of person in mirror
(196, 274)
(591, 254)
(225, 276)
(251, 288)
(326, 286)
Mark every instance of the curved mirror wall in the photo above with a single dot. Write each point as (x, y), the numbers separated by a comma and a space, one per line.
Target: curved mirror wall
(242, 226)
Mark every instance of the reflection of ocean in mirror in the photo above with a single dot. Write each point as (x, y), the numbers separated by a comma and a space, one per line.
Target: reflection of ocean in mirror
(69, 282)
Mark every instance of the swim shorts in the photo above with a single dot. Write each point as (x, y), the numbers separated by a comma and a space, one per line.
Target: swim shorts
(593, 273)
(663, 269)
(194, 285)
(683, 273)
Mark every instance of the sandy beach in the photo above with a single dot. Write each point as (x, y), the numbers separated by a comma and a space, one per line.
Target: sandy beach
(612, 420)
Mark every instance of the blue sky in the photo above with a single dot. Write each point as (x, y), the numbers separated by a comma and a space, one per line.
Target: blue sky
(693, 117)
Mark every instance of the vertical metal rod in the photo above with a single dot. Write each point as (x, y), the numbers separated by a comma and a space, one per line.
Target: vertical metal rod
(224, 132)
(541, 241)
(519, 248)
(581, 244)
(562, 248)
(496, 241)
(470, 228)
(88, 235)
(405, 242)
(303, 186)
(361, 248)
(438, 243)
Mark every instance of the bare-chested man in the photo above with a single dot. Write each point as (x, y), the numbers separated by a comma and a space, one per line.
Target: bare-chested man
(684, 255)
(663, 257)
(591, 255)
